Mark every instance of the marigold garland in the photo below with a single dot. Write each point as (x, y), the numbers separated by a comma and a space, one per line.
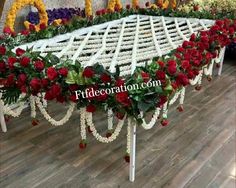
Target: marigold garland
(88, 8)
(112, 4)
(135, 3)
(19, 4)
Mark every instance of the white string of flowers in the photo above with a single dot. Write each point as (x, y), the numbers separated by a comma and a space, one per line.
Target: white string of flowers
(83, 123)
(196, 79)
(155, 116)
(174, 99)
(165, 110)
(49, 118)
(14, 113)
(89, 120)
(208, 70)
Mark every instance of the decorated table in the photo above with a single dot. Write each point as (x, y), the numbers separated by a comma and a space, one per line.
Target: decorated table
(116, 48)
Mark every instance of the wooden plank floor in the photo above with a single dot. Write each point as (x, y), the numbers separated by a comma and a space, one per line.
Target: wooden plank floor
(197, 149)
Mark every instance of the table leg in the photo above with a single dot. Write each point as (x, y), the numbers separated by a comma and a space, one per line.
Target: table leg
(132, 151)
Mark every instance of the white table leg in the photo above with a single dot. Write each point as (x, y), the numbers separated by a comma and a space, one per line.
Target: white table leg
(132, 151)
(2, 118)
(221, 61)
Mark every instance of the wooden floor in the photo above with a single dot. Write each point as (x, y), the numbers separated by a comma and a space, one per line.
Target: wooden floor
(197, 149)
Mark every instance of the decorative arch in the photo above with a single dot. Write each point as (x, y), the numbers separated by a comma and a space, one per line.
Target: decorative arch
(19, 4)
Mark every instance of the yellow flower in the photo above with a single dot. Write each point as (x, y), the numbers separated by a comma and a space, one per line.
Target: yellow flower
(153, 6)
(57, 22)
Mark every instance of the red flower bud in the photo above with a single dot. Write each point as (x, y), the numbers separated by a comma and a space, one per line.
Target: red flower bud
(91, 108)
(63, 71)
(88, 72)
(52, 73)
(105, 78)
(11, 61)
(39, 65)
(25, 61)
(2, 50)
(19, 52)
(42, 26)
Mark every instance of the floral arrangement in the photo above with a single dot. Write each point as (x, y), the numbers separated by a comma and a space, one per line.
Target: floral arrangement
(30, 73)
(212, 6)
(55, 14)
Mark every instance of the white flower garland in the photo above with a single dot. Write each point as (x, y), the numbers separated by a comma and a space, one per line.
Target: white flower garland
(196, 79)
(89, 120)
(49, 118)
(8, 109)
(182, 96)
(154, 119)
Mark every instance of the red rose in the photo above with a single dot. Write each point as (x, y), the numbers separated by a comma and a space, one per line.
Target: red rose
(182, 79)
(174, 85)
(19, 52)
(196, 62)
(7, 30)
(63, 71)
(193, 37)
(195, 72)
(104, 11)
(208, 56)
(73, 87)
(25, 32)
(73, 98)
(160, 75)
(98, 13)
(105, 78)
(123, 98)
(11, 61)
(10, 80)
(2, 50)
(2, 66)
(177, 55)
(42, 26)
(185, 64)
(145, 76)
(120, 115)
(88, 72)
(22, 78)
(219, 22)
(52, 73)
(191, 74)
(171, 63)
(172, 69)
(161, 64)
(164, 122)
(55, 90)
(162, 101)
(39, 65)
(128, 6)
(25, 61)
(204, 39)
(44, 82)
(48, 95)
(35, 84)
(180, 49)
(91, 108)
(120, 82)
(32, 27)
(185, 44)
(23, 89)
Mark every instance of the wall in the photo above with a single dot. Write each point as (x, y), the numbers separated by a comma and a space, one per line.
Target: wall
(97, 4)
